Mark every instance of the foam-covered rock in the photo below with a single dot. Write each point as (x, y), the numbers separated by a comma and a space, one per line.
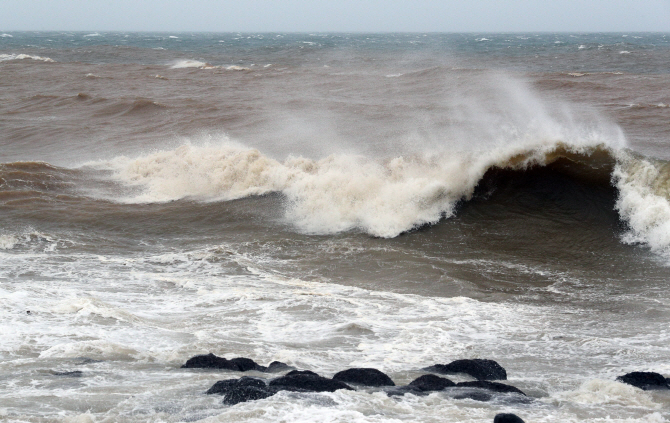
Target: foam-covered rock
(364, 376)
(645, 380)
(507, 418)
(478, 368)
(428, 383)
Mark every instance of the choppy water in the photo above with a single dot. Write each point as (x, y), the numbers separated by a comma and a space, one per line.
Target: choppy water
(332, 201)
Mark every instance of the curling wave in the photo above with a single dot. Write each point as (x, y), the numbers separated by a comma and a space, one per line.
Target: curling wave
(384, 197)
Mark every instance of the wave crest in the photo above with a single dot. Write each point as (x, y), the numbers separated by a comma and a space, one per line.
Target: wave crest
(383, 197)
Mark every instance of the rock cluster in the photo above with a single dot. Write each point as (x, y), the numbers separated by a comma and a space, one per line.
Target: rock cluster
(247, 388)
(239, 364)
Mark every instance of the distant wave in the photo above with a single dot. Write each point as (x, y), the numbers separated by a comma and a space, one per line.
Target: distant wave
(191, 64)
(20, 56)
(184, 64)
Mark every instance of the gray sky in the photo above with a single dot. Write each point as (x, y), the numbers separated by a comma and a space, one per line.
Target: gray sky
(340, 15)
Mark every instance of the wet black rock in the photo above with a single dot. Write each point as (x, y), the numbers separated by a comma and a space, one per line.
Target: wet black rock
(221, 386)
(366, 377)
(247, 393)
(478, 368)
(645, 380)
(427, 383)
(241, 390)
(278, 366)
(491, 386)
(306, 381)
(210, 361)
(301, 372)
(474, 395)
(507, 418)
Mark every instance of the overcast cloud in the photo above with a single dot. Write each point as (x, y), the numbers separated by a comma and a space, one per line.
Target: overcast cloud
(336, 16)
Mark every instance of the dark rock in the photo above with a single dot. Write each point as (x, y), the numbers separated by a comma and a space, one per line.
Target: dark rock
(491, 386)
(301, 372)
(645, 380)
(366, 377)
(507, 418)
(241, 390)
(431, 383)
(74, 373)
(478, 368)
(278, 366)
(247, 393)
(474, 395)
(222, 386)
(306, 382)
(210, 361)
(246, 364)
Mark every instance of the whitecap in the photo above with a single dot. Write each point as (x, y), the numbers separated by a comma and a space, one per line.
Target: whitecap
(7, 57)
(7, 242)
(181, 64)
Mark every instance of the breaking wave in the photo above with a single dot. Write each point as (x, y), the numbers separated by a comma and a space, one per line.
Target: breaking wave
(389, 196)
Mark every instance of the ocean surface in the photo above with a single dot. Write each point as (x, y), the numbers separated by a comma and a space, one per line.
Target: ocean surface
(332, 201)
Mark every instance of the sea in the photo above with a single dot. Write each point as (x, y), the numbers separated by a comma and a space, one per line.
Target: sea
(333, 200)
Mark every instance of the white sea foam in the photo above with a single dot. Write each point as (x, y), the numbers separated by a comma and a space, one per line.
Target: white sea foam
(5, 35)
(95, 34)
(6, 57)
(644, 200)
(7, 242)
(98, 349)
(184, 303)
(237, 68)
(598, 391)
(624, 52)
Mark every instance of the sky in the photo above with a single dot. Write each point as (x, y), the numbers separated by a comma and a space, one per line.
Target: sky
(336, 15)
